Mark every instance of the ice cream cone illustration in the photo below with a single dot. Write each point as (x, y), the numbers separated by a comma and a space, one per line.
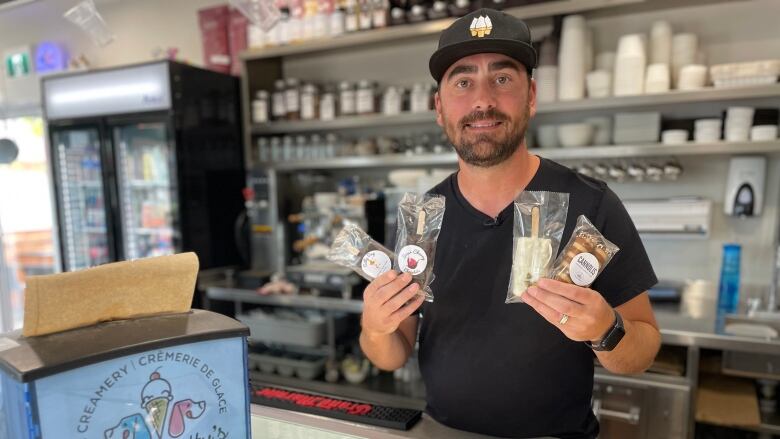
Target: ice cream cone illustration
(155, 398)
(481, 27)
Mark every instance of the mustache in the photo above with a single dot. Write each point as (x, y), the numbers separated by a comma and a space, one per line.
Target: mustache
(490, 114)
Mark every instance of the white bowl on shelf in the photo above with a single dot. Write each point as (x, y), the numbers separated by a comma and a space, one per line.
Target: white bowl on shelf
(692, 77)
(547, 136)
(741, 134)
(657, 79)
(709, 123)
(674, 137)
(575, 135)
(740, 113)
(598, 84)
(763, 133)
(405, 177)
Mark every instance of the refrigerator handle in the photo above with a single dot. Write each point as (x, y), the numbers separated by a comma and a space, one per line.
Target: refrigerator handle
(241, 235)
(113, 208)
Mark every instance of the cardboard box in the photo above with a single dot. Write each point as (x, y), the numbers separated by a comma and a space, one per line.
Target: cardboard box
(214, 36)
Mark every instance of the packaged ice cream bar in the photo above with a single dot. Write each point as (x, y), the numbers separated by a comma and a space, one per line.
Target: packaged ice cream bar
(539, 220)
(420, 218)
(353, 248)
(584, 257)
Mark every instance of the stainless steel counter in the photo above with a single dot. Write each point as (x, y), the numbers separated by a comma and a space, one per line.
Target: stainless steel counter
(697, 325)
(270, 422)
(686, 324)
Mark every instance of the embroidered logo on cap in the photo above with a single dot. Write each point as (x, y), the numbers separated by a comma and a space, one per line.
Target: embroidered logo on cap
(481, 26)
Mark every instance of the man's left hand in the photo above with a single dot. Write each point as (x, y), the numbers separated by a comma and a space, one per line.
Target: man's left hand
(588, 315)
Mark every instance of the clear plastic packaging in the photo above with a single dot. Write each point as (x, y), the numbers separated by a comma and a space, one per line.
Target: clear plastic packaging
(354, 249)
(419, 223)
(584, 257)
(263, 13)
(86, 16)
(540, 218)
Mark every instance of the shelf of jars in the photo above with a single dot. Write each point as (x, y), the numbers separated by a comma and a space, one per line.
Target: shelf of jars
(589, 153)
(406, 118)
(425, 27)
(345, 123)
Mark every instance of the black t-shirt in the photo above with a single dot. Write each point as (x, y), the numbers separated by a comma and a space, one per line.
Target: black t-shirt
(501, 369)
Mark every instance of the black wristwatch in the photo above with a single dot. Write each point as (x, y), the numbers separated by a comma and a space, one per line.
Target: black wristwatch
(612, 337)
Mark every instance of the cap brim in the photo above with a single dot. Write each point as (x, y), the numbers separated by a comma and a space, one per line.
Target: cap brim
(442, 59)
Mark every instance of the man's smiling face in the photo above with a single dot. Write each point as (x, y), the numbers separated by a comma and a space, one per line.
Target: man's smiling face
(484, 104)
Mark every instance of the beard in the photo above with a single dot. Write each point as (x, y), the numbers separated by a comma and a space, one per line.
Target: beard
(487, 149)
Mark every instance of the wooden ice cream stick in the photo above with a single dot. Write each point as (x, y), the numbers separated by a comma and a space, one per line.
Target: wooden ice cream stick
(535, 222)
(421, 222)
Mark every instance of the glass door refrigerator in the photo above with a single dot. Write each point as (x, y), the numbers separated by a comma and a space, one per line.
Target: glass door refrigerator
(148, 161)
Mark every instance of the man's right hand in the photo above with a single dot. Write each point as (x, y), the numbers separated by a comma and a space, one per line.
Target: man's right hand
(385, 303)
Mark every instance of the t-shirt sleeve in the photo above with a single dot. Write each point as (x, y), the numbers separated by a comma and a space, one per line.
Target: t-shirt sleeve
(629, 273)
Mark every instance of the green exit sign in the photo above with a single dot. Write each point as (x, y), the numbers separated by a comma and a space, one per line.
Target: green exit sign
(17, 64)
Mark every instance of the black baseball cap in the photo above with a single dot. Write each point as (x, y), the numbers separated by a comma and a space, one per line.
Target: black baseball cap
(483, 31)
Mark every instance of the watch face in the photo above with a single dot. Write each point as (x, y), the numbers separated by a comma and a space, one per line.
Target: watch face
(611, 341)
(613, 336)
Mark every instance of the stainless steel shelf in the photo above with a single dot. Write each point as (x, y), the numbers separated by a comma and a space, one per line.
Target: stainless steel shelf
(611, 103)
(377, 161)
(298, 301)
(352, 122)
(653, 150)
(674, 97)
(585, 153)
(429, 28)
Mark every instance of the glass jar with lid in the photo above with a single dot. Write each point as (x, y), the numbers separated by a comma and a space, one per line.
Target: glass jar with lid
(288, 148)
(420, 99)
(346, 99)
(351, 16)
(366, 97)
(327, 110)
(380, 12)
(365, 14)
(292, 99)
(278, 106)
(301, 148)
(317, 147)
(397, 16)
(336, 22)
(438, 10)
(417, 14)
(260, 107)
(263, 150)
(310, 105)
(277, 153)
(392, 101)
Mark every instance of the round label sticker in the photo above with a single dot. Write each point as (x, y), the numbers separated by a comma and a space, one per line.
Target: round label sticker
(583, 269)
(412, 259)
(375, 263)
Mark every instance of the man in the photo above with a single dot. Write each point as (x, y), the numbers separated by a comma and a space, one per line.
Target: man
(512, 370)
